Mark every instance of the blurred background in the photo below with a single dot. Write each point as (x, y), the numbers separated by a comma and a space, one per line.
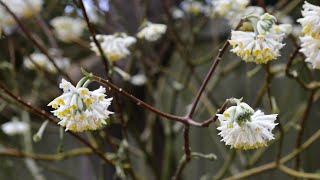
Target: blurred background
(172, 70)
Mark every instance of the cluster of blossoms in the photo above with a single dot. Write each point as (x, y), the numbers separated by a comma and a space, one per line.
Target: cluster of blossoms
(38, 60)
(223, 7)
(192, 7)
(68, 29)
(151, 31)
(310, 20)
(21, 8)
(233, 10)
(243, 128)
(259, 46)
(14, 127)
(80, 109)
(310, 42)
(114, 46)
(310, 47)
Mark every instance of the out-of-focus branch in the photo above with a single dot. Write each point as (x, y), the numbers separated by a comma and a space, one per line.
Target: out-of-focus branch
(183, 162)
(273, 165)
(34, 41)
(313, 85)
(10, 152)
(302, 127)
(47, 31)
(227, 163)
(299, 174)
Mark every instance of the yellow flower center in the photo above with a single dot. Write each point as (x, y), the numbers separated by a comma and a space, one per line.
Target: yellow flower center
(114, 56)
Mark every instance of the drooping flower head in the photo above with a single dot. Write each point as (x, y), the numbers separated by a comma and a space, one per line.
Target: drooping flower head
(266, 21)
(310, 20)
(151, 31)
(68, 29)
(310, 47)
(243, 128)
(114, 46)
(80, 109)
(259, 46)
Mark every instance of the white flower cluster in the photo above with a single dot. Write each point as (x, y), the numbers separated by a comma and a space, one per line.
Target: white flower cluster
(38, 60)
(310, 20)
(151, 31)
(80, 109)
(21, 8)
(310, 47)
(259, 46)
(281, 29)
(194, 8)
(234, 10)
(15, 127)
(243, 128)
(114, 46)
(229, 7)
(68, 29)
(310, 42)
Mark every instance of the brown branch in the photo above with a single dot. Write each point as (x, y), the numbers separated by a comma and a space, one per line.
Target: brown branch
(185, 120)
(209, 74)
(93, 35)
(186, 139)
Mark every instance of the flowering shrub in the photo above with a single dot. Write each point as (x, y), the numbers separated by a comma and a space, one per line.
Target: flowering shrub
(237, 79)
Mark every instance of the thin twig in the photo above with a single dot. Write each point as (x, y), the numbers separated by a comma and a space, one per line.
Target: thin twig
(185, 120)
(209, 74)
(93, 36)
(142, 103)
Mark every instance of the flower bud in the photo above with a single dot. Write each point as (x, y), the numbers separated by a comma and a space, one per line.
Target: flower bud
(265, 22)
(243, 113)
